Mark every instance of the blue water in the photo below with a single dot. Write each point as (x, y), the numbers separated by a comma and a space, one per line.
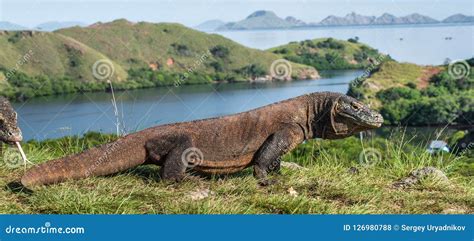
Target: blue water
(420, 44)
(57, 116)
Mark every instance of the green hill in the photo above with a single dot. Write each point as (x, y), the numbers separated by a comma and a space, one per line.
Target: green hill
(36, 63)
(142, 55)
(388, 75)
(409, 94)
(54, 55)
(329, 53)
(143, 44)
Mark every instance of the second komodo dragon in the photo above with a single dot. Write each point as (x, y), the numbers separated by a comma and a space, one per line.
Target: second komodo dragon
(220, 145)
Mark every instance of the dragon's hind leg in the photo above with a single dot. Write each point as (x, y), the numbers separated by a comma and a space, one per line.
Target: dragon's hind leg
(169, 152)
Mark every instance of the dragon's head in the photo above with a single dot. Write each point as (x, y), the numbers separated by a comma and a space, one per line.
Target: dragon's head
(9, 130)
(344, 116)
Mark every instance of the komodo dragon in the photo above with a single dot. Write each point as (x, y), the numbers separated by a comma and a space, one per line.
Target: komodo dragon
(220, 145)
(10, 133)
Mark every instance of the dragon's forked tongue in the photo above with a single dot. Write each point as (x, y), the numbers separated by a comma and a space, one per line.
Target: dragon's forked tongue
(23, 156)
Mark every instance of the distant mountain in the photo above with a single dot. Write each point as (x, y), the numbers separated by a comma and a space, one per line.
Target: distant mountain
(269, 20)
(53, 26)
(416, 18)
(210, 25)
(387, 18)
(349, 19)
(4, 25)
(259, 20)
(357, 19)
(294, 21)
(458, 18)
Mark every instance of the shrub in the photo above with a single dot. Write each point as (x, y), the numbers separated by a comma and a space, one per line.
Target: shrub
(220, 51)
(353, 40)
(396, 93)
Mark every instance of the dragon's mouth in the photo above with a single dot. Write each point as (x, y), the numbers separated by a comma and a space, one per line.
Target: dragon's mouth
(12, 141)
(376, 121)
(8, 142)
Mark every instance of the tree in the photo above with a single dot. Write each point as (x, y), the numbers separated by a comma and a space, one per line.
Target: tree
(220, 51)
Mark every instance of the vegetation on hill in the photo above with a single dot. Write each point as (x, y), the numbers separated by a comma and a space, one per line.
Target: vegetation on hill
(409, 94)
(41, 53)
(326, 185)
(137, 55)
(329, 53)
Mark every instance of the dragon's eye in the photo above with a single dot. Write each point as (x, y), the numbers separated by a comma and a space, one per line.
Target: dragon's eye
(355, 106)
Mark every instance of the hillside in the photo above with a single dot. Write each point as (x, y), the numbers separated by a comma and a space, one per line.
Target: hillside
(142, 55)
(54, 55)
(55, 25)
(173, 47)
(329, 53)
(410, 94)
(388, 75)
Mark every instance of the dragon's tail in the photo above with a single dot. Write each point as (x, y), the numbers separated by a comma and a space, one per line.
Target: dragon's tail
(103, 160)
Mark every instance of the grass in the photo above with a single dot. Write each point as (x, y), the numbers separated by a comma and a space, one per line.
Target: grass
(324, 187)
(50, 54)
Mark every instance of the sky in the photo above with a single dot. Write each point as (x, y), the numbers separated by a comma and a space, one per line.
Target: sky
(30, 13)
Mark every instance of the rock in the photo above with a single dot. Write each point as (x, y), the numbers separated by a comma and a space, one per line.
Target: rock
(308, 73)
(417, 175)
(292, 192)
(292, 166)
(200, 194)
(353, 170)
